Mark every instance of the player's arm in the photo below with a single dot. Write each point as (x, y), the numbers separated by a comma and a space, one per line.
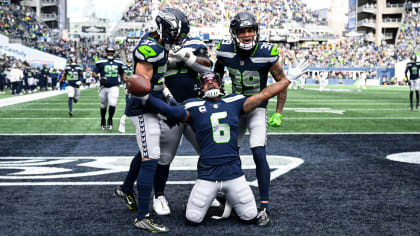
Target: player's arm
(219, 68)
(122, 73)
(406, 70)
(198, 63)
(177, 113)
(254, 101)
(63, 77)
(278, 74)
(144, 68)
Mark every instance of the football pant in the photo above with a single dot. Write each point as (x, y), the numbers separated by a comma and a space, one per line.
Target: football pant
(108, 96)
(147, 134)
(256, 123)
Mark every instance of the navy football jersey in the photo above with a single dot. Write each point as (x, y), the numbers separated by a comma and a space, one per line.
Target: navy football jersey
(413, 68)
(128, 70)
(216, 127)
(248, 74)
(109, 70)
(151, 51)
(74, 74)
(181, 80)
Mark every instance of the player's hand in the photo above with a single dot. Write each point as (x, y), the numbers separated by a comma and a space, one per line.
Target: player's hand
(275, 120)
(181, 55)
(171, 101)
(297, 71)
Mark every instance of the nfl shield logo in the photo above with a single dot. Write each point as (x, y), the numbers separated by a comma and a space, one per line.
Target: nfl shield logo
(242, 63)
(215, 106)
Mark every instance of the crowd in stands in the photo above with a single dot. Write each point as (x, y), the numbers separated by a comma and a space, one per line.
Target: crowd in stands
(409, 37)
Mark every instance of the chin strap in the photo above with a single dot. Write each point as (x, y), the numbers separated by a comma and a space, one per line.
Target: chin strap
(212, 93)
(110, 58)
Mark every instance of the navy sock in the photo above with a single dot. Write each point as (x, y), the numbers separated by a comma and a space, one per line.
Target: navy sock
(411, 98)
(70, 104)
(264, 205)
(161, 176)
(263, 172)
(132, 174)
(111, 112)
(103, 112)
(145, 186)
(417, 99)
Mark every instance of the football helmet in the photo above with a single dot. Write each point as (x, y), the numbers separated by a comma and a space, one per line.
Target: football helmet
(110, 51)
(413, 58)
(169, 26)
(210, 93)
(243, 20)
(73, 61)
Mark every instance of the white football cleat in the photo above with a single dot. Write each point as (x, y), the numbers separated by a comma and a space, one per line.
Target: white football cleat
(160, 206)
(121, 128)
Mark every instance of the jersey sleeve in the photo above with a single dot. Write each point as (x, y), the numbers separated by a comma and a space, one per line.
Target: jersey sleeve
(270, 52)
(148, 51)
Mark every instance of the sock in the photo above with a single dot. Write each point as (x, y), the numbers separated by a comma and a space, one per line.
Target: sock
(103, 112)
(145, 186)
(417, 98)
(411, 99)
(70, 104)
(264, 205)
(111, 113)
(161, 176)
(132, 174)
(263, 172)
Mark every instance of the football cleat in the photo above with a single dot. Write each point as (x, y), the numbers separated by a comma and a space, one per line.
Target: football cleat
(160, 206)
(149, 224)
(103, 126)
(75, 100)
(263, 217)
(109, 124)
(127, 197)
(70, 114)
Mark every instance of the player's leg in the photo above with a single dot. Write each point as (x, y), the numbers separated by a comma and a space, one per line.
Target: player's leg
(70, 93)
(200, 199)
(149, 132)
(76, 95)
(113, 94)
(169, 141)
(417, 87)
(240, 196)
(103, 100)
(412, 88)
(258, 137)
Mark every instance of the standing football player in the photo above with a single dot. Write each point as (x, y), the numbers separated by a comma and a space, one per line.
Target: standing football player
(215, 120)
(73, 74)
(128, 71)
(413, 67)
(181, 83)
(150, 59)
(249, 62)
(107, 71)
(323, 80)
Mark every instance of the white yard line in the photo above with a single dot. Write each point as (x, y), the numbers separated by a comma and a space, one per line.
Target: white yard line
(28, 98)
(297, 118)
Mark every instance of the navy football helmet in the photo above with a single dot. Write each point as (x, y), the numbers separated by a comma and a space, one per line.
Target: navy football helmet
(110, 51)
(210, 93)
(171, 25)
(413, 58)
(243, 20)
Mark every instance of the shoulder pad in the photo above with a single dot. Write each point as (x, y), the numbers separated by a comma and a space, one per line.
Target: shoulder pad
(224, 44)
(193, 102)
(233, 97)
(101, 61)
(272, 49)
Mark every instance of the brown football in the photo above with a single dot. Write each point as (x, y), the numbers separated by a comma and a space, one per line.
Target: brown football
(138, 85)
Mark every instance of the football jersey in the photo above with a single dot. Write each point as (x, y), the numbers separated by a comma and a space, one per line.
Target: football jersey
(151, 51)
(109, 70)
(248, 74)
(413, 68)
(128, 70)
(74, 74)
(216, 128)
(181, 80)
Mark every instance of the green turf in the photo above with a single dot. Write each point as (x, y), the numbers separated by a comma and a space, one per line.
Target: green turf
(376, 109)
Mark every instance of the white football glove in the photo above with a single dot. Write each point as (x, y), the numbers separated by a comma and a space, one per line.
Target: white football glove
(180, 55)
(79, 83)
(297, 71)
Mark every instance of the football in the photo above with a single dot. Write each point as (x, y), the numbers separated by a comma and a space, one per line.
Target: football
(138, 85)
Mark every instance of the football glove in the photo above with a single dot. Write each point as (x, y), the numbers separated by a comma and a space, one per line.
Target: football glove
(275, 120)
(297, 71)
(180, 55)
(78, 83)
(169, 98)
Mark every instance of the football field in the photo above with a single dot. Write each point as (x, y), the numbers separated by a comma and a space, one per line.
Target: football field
(343, 162)
(339, 109)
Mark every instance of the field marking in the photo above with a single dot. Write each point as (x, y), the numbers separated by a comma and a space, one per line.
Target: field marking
(29, 98)
(295, 118)
(36, 168)
(405, 157)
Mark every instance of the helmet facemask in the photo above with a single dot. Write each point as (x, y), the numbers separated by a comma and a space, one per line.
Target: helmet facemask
(212, 92)
(243, 22)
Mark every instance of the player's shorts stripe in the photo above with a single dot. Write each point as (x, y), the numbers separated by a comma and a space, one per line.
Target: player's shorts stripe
(142, 130)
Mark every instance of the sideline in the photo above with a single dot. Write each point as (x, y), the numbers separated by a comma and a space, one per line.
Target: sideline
(29, 97)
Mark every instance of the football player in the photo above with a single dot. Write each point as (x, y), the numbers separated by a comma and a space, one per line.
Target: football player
(215, 120)
(128, 71)
(181, 83)
(73, 74)
(150, 59)
(107, 71)
(323, 80)
(413, 67)
(249, 62)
